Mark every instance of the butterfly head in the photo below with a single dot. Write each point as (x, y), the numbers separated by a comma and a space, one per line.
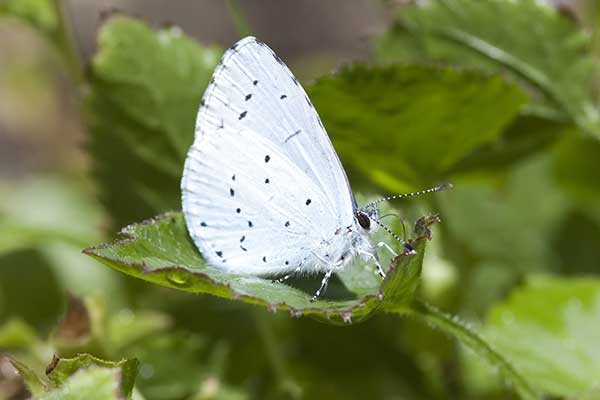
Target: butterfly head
(367, 218)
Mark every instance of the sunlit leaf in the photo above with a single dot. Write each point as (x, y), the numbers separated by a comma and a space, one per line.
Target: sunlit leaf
(407, 126)
(94, 383)
(549, 329)
(61, 371)
(145, 90)
(553, 58)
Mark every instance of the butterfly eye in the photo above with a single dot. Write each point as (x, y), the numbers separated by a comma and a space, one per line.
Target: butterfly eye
(363, 220)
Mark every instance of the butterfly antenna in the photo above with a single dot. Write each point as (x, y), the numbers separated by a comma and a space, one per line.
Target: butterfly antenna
(407, 247)
(440, 188)
(401, 221)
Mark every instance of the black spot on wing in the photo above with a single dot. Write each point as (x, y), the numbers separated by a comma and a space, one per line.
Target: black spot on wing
(283, 96)
(243, 248)
(250, 224)
(267, 158)
(255, 82)
(219, 253)
(233, 177)
(238, 210)
(308, 201)
(264, 259)
(267, 180)
(248, 96)
(242, 115)
(242, 239)
(231, 192)
(202, 223)
(287, 223)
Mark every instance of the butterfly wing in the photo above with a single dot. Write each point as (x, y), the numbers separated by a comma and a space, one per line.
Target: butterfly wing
(262, 184)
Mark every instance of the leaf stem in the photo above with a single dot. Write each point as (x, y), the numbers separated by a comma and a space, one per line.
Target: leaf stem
(453, 326)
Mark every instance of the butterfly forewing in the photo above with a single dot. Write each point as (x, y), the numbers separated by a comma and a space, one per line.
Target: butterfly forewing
(262, 185)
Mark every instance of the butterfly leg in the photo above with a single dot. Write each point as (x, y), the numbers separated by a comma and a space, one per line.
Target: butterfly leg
(375, 260)
(387, 247)
(324, 283)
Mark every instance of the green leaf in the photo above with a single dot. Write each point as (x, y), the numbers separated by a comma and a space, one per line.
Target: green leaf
(39, 14)
(161, 251)
(145, 90)
(554, 58)
(34, 383)
(427, 119)
(453, 326)
(549, 329)
(61, 370)
(17, 334)
(576, 165)
(92, 383)
(526, 136)
(43, 210)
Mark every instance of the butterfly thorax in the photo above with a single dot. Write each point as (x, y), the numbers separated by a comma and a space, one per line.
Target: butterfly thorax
(345, 244)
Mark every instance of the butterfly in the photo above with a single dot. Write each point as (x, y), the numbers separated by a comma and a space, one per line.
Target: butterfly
(263, 190)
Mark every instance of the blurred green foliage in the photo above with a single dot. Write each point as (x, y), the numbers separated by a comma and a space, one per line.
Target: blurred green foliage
(496, 96)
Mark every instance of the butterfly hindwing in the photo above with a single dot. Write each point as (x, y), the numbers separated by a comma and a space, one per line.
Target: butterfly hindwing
(262, 183)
